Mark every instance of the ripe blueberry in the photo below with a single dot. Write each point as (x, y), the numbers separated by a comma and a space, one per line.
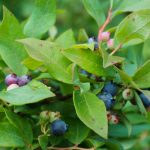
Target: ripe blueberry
(84, 72)
(93, 40)
(12, 86)
(23, 80)
(145, 100)
(110, 43)
(110, 88)
(107, 99)
(58, 127)
(104, 36)
(128, 94)
(11, 79)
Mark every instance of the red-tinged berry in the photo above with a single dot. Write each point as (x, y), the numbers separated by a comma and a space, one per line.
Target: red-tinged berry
(109, 116)
(11, 79)
(114, 119)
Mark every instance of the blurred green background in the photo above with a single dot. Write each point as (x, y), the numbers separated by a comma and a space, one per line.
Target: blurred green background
(70, 14)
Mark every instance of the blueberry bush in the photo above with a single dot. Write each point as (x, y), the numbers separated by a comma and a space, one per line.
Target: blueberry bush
(80, 89)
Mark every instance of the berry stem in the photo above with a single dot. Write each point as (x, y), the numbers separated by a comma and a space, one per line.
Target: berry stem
(108, 19)
(116, 49)
(69, 148)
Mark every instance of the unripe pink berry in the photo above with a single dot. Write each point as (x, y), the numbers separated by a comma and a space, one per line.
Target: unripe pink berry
(104, 36)
(12, 86)
(110, 43)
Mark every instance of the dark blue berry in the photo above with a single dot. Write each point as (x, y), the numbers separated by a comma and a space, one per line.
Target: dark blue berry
(93, 40)
(11, 79)
(84, 72)
(145, 100)
(110, 88)
(107, 99)
(58, 127)
(23, 80)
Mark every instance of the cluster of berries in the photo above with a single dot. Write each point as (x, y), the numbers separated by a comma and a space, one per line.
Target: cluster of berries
(107, 95)
(105, 37)
(13, 81)
(102, 37)
(58, 127)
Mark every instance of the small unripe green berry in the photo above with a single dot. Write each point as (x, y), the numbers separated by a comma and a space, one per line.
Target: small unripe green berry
(44, 115)
(128, 94)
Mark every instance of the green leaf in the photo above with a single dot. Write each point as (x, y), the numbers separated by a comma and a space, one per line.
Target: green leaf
(82, 36)
(66, 39)
(31, 93)
(32, 63)
(120, 131)
(142, 76)
(136, 118)
(10, 30)
(128, 124)
(92, 112)
(91, 142)
(146, 51)
(134, 28)
(133, 59)
(109, 60)
(10, 137)
(86, 59)
(41, 19)
(22, 125)
(94, 8)
(77, 131)
(43, 141)
(132, 5)
(49, 53)
(84, 46)
(126, 79)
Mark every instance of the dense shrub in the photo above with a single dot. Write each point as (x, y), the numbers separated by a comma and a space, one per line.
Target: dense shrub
(80, 89)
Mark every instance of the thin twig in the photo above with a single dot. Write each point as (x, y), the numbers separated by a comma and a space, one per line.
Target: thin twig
(70, 148)
(102, 28)
(116, 49)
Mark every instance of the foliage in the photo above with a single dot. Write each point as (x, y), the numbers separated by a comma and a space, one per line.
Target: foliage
(70, 69)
